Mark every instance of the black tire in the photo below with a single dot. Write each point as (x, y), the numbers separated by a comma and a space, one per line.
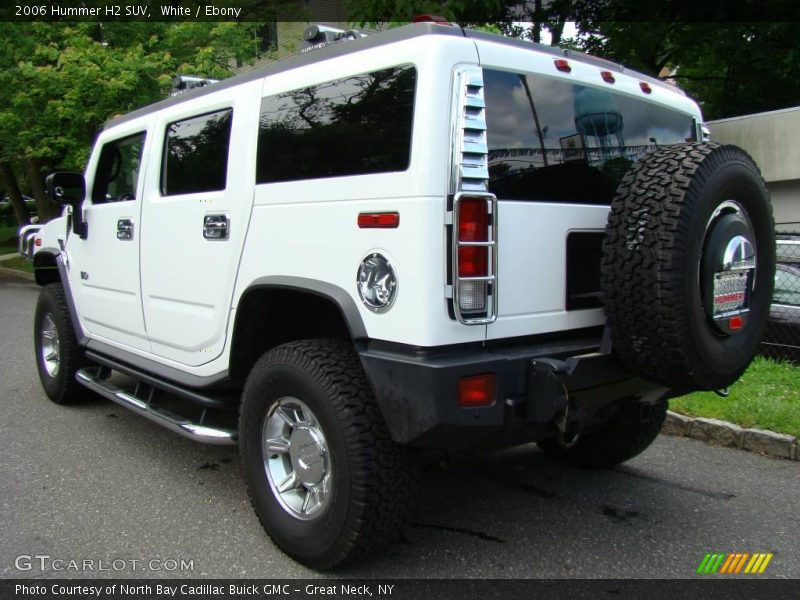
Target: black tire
(370, 473)
(657, 236)
(629, 433)
(60, 385)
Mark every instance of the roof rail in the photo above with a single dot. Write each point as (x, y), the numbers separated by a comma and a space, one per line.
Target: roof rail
(319, 36)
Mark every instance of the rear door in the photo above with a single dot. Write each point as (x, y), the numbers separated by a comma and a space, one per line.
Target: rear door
(558, 144)
(195, 216)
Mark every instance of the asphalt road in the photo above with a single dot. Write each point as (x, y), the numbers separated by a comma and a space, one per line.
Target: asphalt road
(95, 482)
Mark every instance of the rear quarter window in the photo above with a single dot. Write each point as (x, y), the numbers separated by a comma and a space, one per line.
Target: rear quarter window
(352, 126)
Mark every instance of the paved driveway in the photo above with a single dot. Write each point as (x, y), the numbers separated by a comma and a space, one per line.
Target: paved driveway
(95, 482)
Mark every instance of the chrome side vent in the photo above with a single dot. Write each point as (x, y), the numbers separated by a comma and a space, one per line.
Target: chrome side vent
(470, 154)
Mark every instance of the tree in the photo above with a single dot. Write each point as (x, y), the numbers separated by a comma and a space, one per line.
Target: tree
(732, 67)
(60, 82)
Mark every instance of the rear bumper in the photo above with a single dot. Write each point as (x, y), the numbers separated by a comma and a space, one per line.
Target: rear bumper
(417, 390)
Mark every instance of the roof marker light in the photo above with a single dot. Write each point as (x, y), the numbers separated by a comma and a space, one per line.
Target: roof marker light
(607, 76)
(645, 87)
(562, 65)
(430, 19)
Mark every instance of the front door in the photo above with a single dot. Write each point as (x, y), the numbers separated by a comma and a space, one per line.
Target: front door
(103, 269)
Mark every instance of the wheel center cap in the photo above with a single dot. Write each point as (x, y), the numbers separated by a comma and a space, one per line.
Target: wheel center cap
(307, 453)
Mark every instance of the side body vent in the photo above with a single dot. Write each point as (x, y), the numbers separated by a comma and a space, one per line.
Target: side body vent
(470, 153)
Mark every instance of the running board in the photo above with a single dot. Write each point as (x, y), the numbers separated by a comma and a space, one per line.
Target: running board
(90, 377)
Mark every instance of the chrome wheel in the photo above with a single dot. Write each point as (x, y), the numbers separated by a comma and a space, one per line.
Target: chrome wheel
(51, 346)
(296, 458)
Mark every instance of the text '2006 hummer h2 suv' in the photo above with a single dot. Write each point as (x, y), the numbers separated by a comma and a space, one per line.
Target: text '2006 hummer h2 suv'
(428, 237)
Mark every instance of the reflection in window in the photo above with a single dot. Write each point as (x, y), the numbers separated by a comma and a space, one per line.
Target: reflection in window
(196, 154)
(117, 173)
(353, 126)
(552, 140)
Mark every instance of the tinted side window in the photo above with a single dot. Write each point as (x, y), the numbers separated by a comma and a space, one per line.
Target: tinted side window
(352, 126)
(196, 154)
(557, 141)
(117, 172)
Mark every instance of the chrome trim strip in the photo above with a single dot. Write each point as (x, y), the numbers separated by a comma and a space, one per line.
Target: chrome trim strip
(184, 427)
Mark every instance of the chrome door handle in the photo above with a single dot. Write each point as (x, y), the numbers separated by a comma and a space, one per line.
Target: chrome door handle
(215, 227)
(124, 229)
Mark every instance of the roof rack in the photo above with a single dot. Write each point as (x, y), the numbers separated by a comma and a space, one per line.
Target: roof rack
(319, 36)
(184, 83)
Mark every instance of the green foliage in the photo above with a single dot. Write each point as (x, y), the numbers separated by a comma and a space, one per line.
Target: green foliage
(766, 397)
(59, 82)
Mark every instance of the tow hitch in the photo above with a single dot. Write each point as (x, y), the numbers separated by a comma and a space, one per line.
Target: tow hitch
(549, 400)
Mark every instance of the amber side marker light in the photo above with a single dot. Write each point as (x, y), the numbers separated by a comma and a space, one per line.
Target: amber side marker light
(477, 390)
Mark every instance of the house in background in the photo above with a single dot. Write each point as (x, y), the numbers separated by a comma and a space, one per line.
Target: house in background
(771, 138)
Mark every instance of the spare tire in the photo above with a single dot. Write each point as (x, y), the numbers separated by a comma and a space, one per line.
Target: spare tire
(688, 265)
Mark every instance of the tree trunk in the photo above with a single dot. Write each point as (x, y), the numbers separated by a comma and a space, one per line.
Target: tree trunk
(21, 213)
(46, 209)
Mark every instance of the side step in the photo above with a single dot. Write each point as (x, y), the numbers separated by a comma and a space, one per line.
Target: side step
(92, 378)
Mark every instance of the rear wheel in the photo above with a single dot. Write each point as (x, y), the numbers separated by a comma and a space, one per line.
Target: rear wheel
(324, 476)
(58, 356)
(628, 433)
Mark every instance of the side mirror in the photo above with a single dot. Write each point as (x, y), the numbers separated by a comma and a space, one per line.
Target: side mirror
(70, 189)
(66, 188)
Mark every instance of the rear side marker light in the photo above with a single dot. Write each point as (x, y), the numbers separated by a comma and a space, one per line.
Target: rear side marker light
(645, 87)
(382, 220)
(475, 391)
(607, 76)
(562, 65)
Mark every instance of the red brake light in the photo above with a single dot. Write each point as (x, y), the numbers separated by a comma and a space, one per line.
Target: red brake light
(384, 220)
(607, 76)
(645, 87)
(476, 391)
(473, 226)
(562, 65)
(735, 323)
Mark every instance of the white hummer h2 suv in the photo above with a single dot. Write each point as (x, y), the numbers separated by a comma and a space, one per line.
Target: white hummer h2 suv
(429, 237)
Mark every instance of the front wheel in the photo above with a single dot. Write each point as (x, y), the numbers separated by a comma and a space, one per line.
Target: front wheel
(58, 356)
(324, 476)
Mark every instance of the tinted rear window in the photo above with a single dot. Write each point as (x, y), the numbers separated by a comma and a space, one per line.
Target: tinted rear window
(353, 126)
(557, 141)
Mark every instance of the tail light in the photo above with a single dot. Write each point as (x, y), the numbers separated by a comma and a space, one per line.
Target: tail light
(477, 390)
(475, 258)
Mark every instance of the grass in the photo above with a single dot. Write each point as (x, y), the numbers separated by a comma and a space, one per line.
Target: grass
(766, 397)
(8, 239)
(17, 263)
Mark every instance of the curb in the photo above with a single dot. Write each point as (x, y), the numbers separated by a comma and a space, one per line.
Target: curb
(722, 433)
(17, 273)
(9, 256)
